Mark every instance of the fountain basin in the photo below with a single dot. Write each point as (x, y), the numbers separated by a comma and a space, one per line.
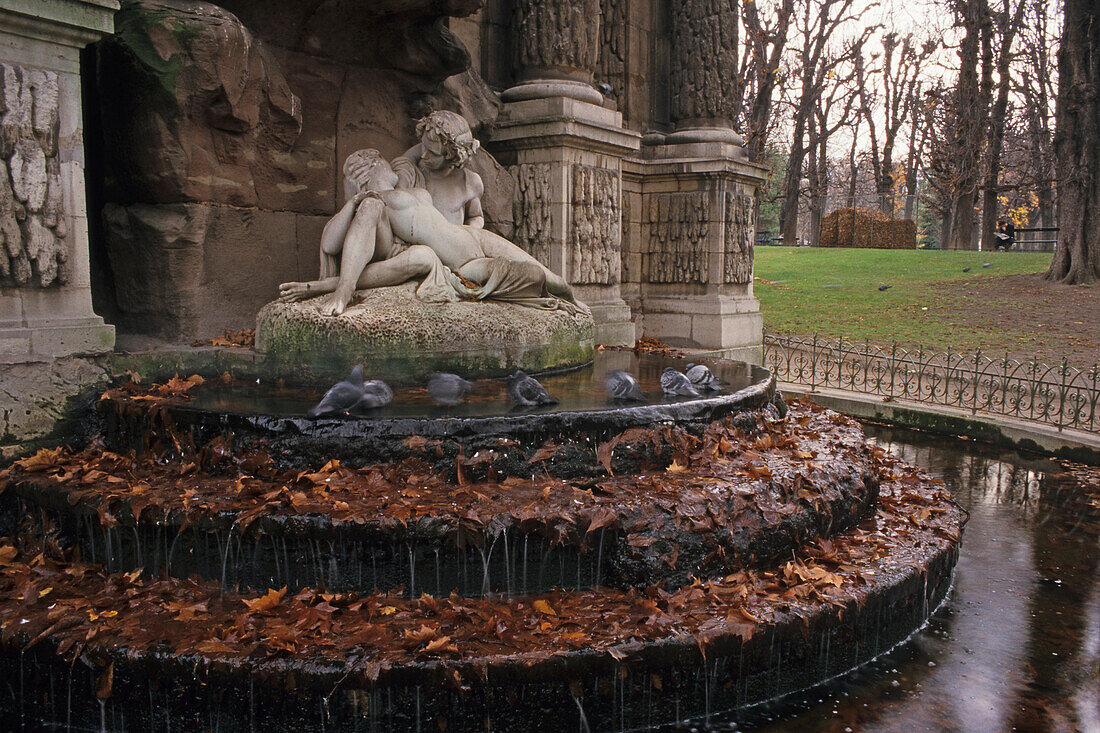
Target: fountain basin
(705, 648)
(274, 416)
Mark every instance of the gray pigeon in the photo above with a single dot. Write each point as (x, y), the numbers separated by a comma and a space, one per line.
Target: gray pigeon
(376, 393)
(986, 264)
(675, 383)
(885, 287)
(448, 389)
(342, 396)
(702, 377)
(623, 386)
(527, 391)
(966, 269)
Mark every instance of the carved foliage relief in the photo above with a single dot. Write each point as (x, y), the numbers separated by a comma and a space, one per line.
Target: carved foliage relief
(704, 49)
(740, 229)
(595, 231)
(33, 225)
(557, 33)
(678, 238)
(531, 207)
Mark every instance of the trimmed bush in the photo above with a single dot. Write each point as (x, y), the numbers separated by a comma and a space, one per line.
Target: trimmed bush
(860, 227)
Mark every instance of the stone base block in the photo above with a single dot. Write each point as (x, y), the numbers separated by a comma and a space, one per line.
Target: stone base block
(709, 322)
(397, 336)
(92, 336)
(613, 324)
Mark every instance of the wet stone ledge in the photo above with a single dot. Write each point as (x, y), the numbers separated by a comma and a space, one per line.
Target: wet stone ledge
(723, 501)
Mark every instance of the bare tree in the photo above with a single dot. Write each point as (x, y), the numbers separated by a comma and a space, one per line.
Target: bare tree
(817, 61)
(765, 41)
(1036, 89)
(970, 108)
(1006, 24)
(896, 74)
(1077, 146)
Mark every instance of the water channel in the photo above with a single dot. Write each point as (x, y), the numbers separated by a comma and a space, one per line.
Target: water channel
(1016, 646)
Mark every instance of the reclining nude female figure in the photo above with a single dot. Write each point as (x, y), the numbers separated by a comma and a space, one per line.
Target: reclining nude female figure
(362, 235)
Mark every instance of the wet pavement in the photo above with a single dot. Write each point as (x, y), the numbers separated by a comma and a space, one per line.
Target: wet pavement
(1016, 646)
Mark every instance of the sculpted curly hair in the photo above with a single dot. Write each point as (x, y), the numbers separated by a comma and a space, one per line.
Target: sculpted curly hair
(445, 127)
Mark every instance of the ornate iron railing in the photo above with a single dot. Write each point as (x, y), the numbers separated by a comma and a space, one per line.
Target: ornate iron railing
(1060, 395)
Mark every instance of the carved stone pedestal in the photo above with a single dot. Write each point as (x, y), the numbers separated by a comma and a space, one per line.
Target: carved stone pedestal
(566, 155)
(689, 250)
(45, 293)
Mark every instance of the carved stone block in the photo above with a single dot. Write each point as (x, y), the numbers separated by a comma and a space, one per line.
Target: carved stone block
(562, 35)
(595, 231)
(677, 246)
(33, 225)
(704, 49)
(740, 229)
(531, 209)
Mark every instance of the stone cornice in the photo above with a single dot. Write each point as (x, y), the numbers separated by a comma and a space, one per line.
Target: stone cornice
(68, 22)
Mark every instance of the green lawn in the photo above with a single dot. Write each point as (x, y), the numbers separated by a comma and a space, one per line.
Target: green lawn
(835, 292)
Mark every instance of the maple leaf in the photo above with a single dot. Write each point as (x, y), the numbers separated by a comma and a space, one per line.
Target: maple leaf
(45, 458)
(7, 554)
(543, 607)
(265, 602)
(676, 467)
(442, 644)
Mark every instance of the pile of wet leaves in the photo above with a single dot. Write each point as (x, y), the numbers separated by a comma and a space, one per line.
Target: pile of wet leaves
(48, 596)
(727, 498)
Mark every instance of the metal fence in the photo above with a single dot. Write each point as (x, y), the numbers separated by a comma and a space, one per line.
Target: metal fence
(1060, 395)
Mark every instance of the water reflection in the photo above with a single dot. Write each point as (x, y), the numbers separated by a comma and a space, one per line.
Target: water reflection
(1017, 644)
(577, 389)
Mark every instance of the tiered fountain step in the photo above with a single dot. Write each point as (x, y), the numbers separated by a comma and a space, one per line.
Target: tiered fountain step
(655, 572)
(184, 655)
(750, 497)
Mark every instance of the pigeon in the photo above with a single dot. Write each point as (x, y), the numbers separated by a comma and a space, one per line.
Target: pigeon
(885, 287)
(779, 404)
(376, 393)
(966, 269)
(605, 89)
(342, 396)
(527, 391)
(448, 389)
(623, 386)
(702, 377)
(986, 264)
(675, 383)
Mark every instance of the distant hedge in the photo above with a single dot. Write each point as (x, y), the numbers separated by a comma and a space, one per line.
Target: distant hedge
(859, 227)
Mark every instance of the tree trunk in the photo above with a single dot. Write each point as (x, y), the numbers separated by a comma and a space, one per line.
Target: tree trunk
(1077, 146)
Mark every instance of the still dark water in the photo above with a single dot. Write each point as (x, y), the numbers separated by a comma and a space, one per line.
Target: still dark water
(1016, 646)
(577, 389)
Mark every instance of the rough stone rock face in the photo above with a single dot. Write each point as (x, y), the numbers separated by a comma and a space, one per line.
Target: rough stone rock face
(240, 115)
(33, 224)
(392, 332)
(195, 269)
(202, 110)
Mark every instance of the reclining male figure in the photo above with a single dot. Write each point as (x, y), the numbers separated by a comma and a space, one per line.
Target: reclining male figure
(362, 236)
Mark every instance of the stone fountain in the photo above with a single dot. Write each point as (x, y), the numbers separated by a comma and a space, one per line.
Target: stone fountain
(209, 557)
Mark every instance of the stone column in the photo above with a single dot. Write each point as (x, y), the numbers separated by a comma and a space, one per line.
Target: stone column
(565, 144)
(45, 293)
(691, 198)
